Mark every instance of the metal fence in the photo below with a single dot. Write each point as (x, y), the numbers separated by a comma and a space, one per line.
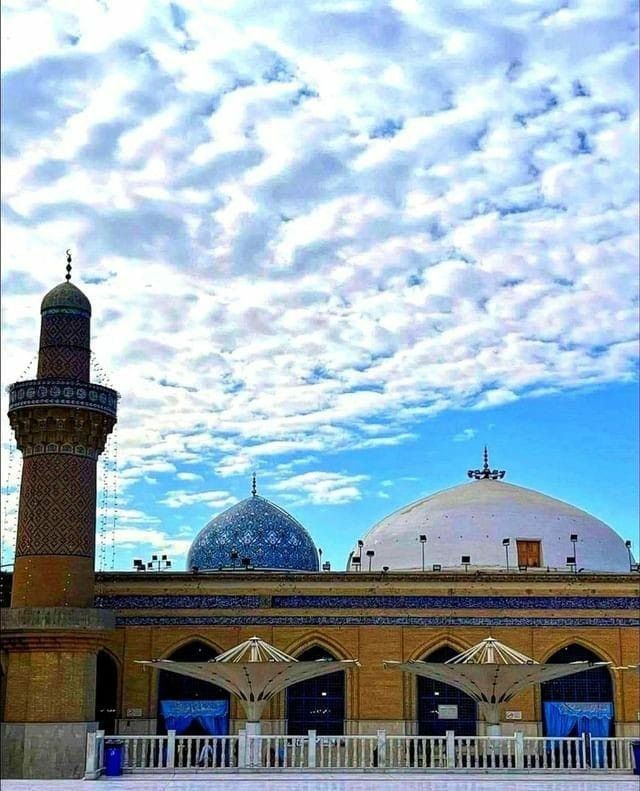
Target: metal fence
(370, 752)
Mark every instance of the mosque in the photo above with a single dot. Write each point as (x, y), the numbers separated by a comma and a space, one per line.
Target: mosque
(483, 558)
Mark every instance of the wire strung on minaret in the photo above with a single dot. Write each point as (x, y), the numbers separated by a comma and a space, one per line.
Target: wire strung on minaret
(10, 500)
(98, 373)
(102, 531)
(114, 490)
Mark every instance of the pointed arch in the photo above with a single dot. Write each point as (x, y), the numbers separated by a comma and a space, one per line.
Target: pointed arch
(174, 687)
(319, 704)
(584, 691)
(183, 641)
(436, 643)
(461, 710)
(315, 638)
(565, 642)
(108, 690)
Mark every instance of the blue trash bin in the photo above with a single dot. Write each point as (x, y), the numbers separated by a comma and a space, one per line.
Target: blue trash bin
(113, 754)
(635, 747)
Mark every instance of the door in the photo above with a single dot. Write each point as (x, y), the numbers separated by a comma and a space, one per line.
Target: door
(528, 553)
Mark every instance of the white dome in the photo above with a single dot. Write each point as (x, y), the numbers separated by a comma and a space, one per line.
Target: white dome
(474, 518)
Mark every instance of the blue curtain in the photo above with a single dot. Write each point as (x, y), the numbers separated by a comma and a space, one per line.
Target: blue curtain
(591, 718)
(213, 715)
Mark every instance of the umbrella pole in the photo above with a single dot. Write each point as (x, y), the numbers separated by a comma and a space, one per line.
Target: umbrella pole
(254, 745)
(491, 713)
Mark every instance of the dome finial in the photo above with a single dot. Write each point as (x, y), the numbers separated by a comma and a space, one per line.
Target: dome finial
(254, 487)
(67, 277)
(486, 472)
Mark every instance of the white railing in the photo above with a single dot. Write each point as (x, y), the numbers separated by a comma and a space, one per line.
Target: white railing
(441, 753)
(417, 752)
(145, 752)
(548, 752)
(611, 754)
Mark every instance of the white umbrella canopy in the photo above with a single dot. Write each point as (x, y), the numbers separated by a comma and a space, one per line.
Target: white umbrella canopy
(491, 673)
(253, 671)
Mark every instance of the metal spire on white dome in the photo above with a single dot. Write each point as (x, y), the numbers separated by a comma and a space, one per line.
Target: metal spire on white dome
(486, 472)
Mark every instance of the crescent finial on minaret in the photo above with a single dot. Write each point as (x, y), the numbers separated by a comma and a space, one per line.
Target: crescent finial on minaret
(67, 277)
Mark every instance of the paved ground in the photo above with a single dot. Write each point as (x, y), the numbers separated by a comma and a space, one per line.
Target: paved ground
(337, 782)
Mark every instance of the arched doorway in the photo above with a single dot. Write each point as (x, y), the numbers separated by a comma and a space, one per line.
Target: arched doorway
(589, 695)
(442, 707)
(318, 703)
(175, 688)
(106, 692)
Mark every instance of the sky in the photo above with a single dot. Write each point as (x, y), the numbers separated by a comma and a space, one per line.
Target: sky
(341, 243)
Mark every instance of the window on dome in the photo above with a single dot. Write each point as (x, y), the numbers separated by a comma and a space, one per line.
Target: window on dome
(529, 554)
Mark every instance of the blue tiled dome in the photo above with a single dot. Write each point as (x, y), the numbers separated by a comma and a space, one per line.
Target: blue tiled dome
(256, 529)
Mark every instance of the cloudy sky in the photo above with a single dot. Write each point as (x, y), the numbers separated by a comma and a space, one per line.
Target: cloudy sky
(341, 243)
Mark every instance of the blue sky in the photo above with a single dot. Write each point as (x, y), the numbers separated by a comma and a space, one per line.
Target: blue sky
(342, 243)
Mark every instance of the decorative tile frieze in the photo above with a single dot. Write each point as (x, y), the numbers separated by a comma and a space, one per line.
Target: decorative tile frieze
(368, 620)
(62, 392)
(191, 602)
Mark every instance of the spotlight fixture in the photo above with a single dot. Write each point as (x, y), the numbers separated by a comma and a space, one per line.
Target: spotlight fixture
(326, 566)
(574, 540)
(385, 569)
(155, 564)
(571, 561)
(506, 543)
(370, 555)
(466, 561)
(423, 541)
(628, 546)
(355, 561)
(436, 567)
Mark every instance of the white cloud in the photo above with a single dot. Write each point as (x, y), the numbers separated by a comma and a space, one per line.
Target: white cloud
(465, 435)
(322, 488)
(215, 499)
(188, 476)
(310, 231)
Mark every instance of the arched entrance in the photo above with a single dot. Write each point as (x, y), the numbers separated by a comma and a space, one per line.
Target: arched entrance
(318, 703)
(174, 688)
(106, 692)
(589, 696)
(442, 707)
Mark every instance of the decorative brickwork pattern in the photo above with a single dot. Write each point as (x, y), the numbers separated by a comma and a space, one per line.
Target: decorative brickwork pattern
(64, 347)
(65, 329)
(57, 506)
(64, 363)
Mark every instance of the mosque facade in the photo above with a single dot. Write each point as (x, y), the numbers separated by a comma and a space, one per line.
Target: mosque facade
(485, 558)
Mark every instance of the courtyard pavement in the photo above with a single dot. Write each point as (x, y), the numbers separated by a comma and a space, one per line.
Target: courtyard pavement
(337, 782)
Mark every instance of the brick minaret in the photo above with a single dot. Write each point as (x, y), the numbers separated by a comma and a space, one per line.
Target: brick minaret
(61, 423)
(51, 632)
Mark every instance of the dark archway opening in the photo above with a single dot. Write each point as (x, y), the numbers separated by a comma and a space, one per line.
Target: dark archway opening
(442, 707)
(106, 692)
(172, 686)
(318, 703)
(590, 686)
